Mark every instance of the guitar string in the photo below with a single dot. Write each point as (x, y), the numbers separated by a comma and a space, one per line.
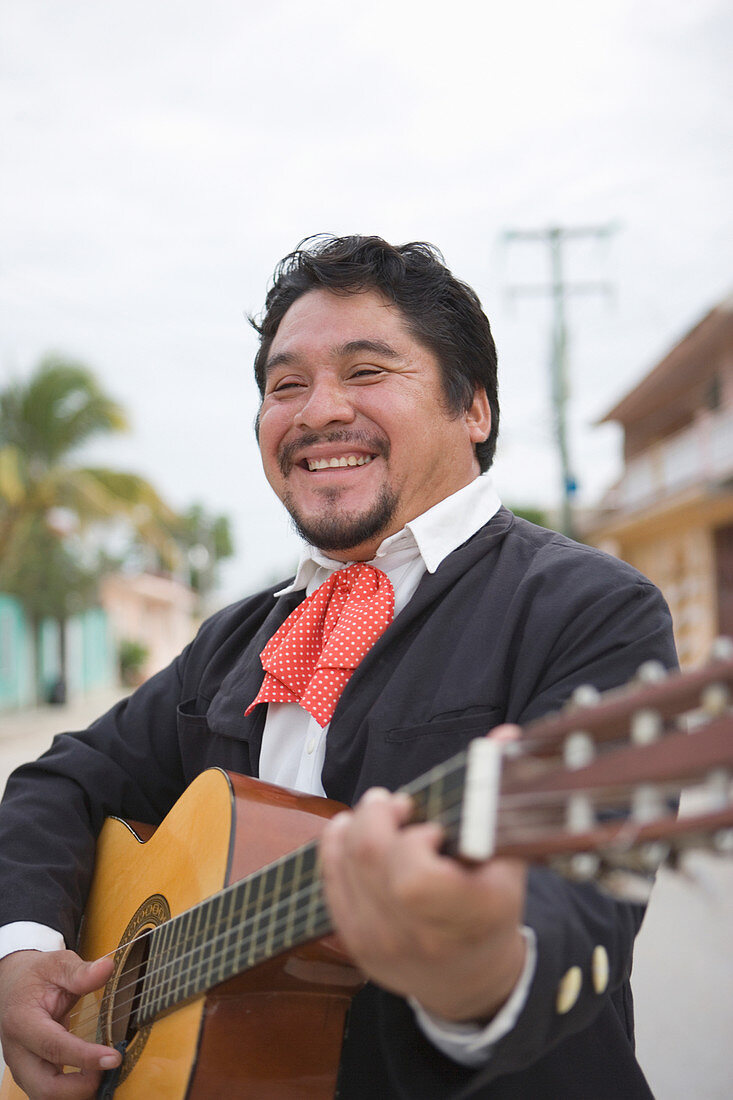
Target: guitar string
(263, 917)
(447, 818)
(218, 943)
(242, 929)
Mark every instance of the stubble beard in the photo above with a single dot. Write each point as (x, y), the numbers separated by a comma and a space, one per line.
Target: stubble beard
(338, 530)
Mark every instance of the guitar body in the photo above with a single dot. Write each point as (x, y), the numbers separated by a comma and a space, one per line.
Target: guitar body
(229, 884)
(272, 1033)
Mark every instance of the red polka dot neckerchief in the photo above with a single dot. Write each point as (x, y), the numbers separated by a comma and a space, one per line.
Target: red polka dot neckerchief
(310, 659)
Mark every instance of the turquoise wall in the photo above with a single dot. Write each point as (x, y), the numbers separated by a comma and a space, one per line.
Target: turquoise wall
(17, 686)
(90, 652)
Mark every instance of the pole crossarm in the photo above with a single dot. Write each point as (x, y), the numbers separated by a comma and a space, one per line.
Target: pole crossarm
(555, 237)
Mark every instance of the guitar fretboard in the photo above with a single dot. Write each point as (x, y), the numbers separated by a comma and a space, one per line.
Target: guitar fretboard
(276, 909)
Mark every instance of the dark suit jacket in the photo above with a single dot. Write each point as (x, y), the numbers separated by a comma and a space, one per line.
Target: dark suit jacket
(506, 628)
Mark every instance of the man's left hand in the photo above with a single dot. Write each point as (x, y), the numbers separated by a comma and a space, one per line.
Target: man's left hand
(420, 923)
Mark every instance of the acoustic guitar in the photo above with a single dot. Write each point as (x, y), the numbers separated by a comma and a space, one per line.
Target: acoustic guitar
(227, 981)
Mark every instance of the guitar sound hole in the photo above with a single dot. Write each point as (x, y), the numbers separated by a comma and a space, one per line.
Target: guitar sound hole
(119, 1017)
(123, 1017)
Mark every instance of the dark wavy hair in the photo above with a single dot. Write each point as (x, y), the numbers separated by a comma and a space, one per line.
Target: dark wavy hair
(441, 312)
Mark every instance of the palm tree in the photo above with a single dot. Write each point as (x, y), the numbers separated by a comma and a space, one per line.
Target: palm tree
(44, 494)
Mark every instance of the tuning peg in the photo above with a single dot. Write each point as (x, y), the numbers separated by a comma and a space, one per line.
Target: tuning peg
(722, 649)
(651, 672)
(578, 750)
(715, 700)
(584, 866)
(654, 854)
(626, 884)
(646, 726)
(647, 804)
(717, 788)
(585, 695)
(581, 866)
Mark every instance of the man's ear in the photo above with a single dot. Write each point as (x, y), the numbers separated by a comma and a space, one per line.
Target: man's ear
(478, 416)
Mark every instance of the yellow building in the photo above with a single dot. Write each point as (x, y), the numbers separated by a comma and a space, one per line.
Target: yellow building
(671, 513)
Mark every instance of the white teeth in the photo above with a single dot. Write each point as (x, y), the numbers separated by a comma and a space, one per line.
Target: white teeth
(345, 460)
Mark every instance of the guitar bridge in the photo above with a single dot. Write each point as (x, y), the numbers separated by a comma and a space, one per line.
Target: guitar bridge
(477, 834)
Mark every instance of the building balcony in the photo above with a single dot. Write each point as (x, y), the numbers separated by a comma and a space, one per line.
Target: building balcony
(700, 455)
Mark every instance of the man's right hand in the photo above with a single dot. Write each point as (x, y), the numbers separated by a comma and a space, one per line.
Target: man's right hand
(37, 992)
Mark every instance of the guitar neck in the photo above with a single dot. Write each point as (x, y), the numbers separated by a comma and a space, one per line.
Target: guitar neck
(276, 909)
(614, 800)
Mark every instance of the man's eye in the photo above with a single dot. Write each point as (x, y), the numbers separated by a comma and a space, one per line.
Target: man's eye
(286, 384)
(366, 372)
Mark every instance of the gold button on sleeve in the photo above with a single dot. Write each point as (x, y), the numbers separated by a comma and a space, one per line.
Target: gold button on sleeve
(568, 990)
(599, 968)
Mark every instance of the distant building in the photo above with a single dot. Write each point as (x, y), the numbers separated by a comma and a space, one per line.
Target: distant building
(156, 611)
(671, 513)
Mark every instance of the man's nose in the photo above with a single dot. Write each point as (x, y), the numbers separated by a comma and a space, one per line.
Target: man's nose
(327, 402)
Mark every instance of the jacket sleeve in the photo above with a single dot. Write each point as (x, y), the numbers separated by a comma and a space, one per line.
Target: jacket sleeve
(587, 626)
(127, 763)
(131, 763)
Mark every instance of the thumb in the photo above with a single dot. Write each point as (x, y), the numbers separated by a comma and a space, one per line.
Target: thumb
(80, 977)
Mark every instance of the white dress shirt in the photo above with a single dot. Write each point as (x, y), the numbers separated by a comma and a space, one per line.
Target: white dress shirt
(294, 744)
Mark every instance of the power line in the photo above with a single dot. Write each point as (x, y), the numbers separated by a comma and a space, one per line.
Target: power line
(555, 237)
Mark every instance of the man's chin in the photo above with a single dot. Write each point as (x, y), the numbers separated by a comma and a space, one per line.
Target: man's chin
(337, 531)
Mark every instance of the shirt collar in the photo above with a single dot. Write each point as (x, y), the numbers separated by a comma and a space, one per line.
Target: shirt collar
(433, 535)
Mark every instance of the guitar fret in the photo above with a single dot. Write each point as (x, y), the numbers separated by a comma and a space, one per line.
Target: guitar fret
(178, 946)
(228, 910)
(269, 911)
(189, 980)
(296, 869)
(314, 894)
(277, 888)
(252, 938)
(152, 995)
(167, 977)
(262, 935)
(282, 905)
(211, 922)
(146, 1008)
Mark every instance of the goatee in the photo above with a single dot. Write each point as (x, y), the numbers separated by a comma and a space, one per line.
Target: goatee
(340, 530)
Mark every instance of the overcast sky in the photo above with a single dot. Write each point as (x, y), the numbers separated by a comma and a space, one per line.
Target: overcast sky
(159, 157)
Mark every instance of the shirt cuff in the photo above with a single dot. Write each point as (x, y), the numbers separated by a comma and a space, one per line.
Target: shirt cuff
(471, 1044)
(26, 935)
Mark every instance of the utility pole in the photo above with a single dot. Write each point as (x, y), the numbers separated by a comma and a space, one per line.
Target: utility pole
(555, 237)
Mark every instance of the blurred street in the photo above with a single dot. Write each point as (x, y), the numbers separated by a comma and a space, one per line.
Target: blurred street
(683, 974)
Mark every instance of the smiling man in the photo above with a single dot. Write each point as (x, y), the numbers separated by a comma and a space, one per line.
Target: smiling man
(422, 615)
(354, 430)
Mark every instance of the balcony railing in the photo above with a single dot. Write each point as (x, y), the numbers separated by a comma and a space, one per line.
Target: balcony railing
(698, 455)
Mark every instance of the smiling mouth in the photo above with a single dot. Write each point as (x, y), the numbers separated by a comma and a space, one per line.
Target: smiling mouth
(335, 463)
(335, 452)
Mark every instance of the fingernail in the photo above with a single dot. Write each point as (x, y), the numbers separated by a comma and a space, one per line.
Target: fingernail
(109, 1061)
(375, 794)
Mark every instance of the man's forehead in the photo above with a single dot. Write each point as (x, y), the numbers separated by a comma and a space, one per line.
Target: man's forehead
(340, 325)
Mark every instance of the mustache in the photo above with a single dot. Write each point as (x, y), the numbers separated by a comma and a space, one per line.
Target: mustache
(290, 453)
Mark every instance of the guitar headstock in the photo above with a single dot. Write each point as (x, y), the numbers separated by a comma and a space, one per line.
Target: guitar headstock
(593, 791)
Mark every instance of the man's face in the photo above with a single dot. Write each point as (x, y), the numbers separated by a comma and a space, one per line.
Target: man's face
(354, 433)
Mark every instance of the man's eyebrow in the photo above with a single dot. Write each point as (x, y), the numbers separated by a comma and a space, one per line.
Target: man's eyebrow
(376, 347)
(280, 359)
(341, 351)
